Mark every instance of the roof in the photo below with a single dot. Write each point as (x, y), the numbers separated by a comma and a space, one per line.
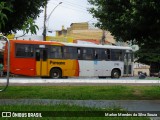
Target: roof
(79, 23)
(97, 46)
(36, 42)
(70, 44)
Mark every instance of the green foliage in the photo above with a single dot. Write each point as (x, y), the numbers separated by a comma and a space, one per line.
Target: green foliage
(30, 25)
(131, 20)
(149, 53)
(82, 92)
(137, 20)
(3, 16)
(23, 12)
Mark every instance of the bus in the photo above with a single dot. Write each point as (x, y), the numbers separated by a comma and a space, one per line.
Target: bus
(62, 60)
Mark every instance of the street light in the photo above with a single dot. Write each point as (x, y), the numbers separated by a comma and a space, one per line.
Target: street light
(47, 18)
(52, 11)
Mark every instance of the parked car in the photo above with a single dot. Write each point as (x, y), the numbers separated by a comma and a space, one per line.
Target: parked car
(159, 74)
(154, 74)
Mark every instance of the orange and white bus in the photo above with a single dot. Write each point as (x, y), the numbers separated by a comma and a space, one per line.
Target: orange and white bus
(58, 60)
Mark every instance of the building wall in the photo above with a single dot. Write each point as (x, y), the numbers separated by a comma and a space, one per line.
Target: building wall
(138, 67)
(60, 39)
(143, 70)
(82, 31)
(79, 26)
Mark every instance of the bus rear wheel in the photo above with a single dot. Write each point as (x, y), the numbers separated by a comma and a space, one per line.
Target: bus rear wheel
(115, 73)
(56, 73)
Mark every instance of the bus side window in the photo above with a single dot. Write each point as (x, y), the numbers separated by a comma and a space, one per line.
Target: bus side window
(87, 54)
(79, 53)
(103, 55)
(37, 55)
(108, 54)
(45, 55)
(96, 54)
(116, 55)
(55, 52)
(24, 50)
(70, 52)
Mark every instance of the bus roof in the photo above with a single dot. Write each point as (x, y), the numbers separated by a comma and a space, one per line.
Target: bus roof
(70, 44)
(98, 46)
(37, 42)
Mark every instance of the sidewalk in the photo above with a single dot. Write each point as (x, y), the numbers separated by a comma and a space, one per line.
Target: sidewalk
(80, 80)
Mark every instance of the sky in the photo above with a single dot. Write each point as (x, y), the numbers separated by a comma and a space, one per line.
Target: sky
(70, 11)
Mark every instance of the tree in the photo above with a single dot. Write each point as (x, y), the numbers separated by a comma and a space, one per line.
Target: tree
(3, 16)
(148, 54)
(29, 26)
(131, 20)
(136, 20)
(22, 11)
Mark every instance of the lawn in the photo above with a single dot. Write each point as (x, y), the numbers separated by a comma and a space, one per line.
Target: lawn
(117, 92)
(83, 92)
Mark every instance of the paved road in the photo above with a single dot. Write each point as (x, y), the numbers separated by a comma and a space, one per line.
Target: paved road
(139, 106)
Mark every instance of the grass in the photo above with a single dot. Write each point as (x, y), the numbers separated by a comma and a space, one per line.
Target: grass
(76, 93)
(83, 92)
(49, 111)
(152, 78)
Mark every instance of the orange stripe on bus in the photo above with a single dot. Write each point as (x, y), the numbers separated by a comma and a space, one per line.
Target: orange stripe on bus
(77, 68)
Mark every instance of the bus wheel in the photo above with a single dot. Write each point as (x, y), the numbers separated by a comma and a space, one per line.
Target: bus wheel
(115, 73)
(56, 73)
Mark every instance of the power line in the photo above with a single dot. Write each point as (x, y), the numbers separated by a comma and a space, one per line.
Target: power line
(73, 4)
(72, 7)
(90, 25)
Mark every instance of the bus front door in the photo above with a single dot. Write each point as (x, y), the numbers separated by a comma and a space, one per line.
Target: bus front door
(128, 64)
(41, 62)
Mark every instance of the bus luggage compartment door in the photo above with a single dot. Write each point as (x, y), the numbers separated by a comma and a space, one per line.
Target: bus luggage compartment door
(41, 62)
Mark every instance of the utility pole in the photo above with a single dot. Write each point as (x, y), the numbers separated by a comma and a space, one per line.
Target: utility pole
(103, 37)
(45, 17)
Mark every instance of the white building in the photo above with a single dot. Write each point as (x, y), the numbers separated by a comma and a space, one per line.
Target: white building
(141, 68)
